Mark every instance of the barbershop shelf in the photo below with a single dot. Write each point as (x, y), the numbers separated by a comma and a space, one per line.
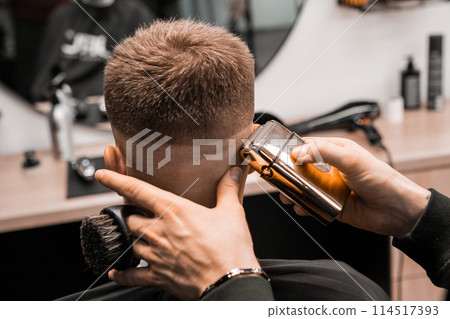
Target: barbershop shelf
(420, 142)
(37, 197)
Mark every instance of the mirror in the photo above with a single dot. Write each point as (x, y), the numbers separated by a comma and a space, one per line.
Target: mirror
(50, 40)
(263, 24)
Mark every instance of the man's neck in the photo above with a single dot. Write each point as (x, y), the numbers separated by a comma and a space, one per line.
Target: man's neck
(197, 185)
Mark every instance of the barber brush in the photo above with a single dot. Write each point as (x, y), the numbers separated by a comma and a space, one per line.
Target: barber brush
(106, 241)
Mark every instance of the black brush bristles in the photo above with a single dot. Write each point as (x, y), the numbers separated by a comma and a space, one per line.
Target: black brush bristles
(105, 239)
(100, 242)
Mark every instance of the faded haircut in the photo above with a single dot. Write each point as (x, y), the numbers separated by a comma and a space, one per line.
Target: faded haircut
(173, 70)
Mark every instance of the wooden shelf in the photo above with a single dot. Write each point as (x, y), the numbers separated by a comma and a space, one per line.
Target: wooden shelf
(37, 197)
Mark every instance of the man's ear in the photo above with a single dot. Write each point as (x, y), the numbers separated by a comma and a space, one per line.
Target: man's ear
(114, 160)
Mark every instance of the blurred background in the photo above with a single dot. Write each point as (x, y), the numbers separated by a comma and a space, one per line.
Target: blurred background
(311, 56)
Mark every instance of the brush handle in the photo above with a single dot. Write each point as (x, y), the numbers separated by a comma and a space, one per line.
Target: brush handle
(119, 213)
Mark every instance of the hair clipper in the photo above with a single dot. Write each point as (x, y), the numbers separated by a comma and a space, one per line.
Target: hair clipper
(319, 188)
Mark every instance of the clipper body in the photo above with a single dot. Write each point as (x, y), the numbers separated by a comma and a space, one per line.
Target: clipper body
(318, 188)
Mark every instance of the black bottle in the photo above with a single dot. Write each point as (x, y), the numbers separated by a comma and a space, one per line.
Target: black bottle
(435, 95)
(411, 86)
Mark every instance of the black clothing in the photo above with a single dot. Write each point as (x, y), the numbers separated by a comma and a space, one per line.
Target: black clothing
(290, 280)
(246, 288)
(428, 243)
(76, 44)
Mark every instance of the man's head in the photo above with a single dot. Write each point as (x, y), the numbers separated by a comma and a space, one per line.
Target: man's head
(186, 80)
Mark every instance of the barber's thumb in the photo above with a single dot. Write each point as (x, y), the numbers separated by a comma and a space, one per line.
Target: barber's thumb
(228, 188)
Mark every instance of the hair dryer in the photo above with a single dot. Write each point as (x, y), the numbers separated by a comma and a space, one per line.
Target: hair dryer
(352, 115)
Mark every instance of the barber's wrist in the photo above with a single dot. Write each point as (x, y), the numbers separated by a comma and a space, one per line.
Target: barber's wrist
(213, 274)
(413, 199)
(234, 274)
(418, 204)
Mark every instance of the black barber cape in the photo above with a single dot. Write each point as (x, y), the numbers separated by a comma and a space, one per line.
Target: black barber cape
(317, 280)
(79, 47)
(428, 244)
(289, 280)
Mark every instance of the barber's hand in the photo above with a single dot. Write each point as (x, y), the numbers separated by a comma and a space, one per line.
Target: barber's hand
(187, 246)
(382, 200)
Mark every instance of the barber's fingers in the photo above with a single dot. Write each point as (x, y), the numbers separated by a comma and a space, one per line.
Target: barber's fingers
(300, 211)
(149, 231)
(136, 191)
(140, 226)
(339, 141)
(141, 250)
(149, 253)
(317, 149)
(285, 200)
(142, 276)
(228, 187)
